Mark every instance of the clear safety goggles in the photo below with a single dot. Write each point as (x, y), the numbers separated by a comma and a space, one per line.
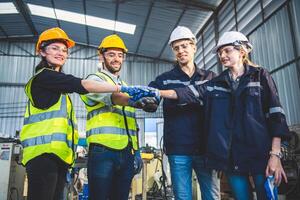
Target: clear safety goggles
(56, 49)
(184, 46)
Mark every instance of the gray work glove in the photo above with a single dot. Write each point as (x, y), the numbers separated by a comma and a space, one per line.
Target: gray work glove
(148, 104)
(151, 104)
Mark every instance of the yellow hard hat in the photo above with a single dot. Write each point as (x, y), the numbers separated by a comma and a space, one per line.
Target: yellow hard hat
(54, 34)
(112, 41)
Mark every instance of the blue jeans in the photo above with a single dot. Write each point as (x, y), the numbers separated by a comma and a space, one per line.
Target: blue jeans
(110, 173)
(181, 174)
(241, 186)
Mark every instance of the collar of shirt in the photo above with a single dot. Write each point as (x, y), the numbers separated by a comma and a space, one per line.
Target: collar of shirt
(116, 78)
(197, 71)
(236, 80)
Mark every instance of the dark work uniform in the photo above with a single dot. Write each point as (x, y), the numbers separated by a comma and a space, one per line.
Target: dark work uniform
(239, 123)
(183, 128)
(241, 119)
(46, 88)
(184, 140)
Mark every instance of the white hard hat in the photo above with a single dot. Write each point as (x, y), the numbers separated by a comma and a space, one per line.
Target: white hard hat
(181, 32)
(233, 38)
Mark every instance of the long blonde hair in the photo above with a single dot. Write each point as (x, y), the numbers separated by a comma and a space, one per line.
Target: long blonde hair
(246, 60)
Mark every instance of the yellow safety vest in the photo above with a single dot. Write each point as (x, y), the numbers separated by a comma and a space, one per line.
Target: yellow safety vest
(52, 130)
(106, 125)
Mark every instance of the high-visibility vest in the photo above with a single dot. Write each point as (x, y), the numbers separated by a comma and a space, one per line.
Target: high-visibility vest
(106, 125)
(52, 130)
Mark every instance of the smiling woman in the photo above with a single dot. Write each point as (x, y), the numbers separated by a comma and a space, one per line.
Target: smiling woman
(49, 135)
(55, 54)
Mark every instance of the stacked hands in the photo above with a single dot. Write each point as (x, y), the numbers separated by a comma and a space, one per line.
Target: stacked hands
(142, 97)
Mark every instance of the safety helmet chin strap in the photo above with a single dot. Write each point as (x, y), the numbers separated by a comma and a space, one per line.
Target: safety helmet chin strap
(103, 66)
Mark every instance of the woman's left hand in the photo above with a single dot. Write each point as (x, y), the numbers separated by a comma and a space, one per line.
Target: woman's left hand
(274, 168)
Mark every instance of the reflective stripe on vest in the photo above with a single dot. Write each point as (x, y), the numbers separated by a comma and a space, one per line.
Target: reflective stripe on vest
(106, 125)
(52, 130)
(109, 130)
(45, 139)
(48, 115)
(106, 109)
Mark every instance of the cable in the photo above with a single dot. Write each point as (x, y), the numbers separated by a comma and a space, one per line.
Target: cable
(11, 192)
(291, 166)
(73, 131)
(292, 190)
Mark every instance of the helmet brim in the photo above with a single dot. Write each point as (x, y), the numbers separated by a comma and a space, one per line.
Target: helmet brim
(70, 43)
(192, 39)
(102, 49)
(216, 48)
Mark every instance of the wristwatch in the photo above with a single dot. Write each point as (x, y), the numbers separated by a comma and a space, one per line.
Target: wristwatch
(277, 154)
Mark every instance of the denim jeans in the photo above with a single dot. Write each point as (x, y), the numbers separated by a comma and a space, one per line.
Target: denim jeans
(181, 167)
(241, 186)
(110, 173)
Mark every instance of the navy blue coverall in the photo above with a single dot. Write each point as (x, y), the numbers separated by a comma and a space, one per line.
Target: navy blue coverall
(239, 124)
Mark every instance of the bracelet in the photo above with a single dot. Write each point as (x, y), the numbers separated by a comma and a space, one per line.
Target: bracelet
(277, 154)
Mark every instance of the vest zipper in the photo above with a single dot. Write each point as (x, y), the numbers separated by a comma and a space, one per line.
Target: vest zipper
(233, 116)
(29, 112)
(123, 111)
(127, 129)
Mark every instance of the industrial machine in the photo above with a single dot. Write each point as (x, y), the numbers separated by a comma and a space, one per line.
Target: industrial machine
(12, 172)
(291, 165)
(160, 176)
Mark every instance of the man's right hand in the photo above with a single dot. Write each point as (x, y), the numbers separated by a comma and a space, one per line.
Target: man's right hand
(148, 104)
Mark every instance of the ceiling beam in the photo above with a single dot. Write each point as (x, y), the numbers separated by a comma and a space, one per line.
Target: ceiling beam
(145, 26)
(211, 18)
(153, 58)
(136, 55)
(90, 57)
(116, 14)
(23, 49)
(3, 31)
(28, 38)
(79, 49)
(176, 24)
(5, 84)
(2, 52)
(193, 3)
(53, 6)
(34, 38)
(86, 27)
(23, 9)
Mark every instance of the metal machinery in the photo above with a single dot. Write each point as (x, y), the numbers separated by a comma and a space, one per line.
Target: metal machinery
(291, 165)
(12, 172)
(77, 187)
(161, 186)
